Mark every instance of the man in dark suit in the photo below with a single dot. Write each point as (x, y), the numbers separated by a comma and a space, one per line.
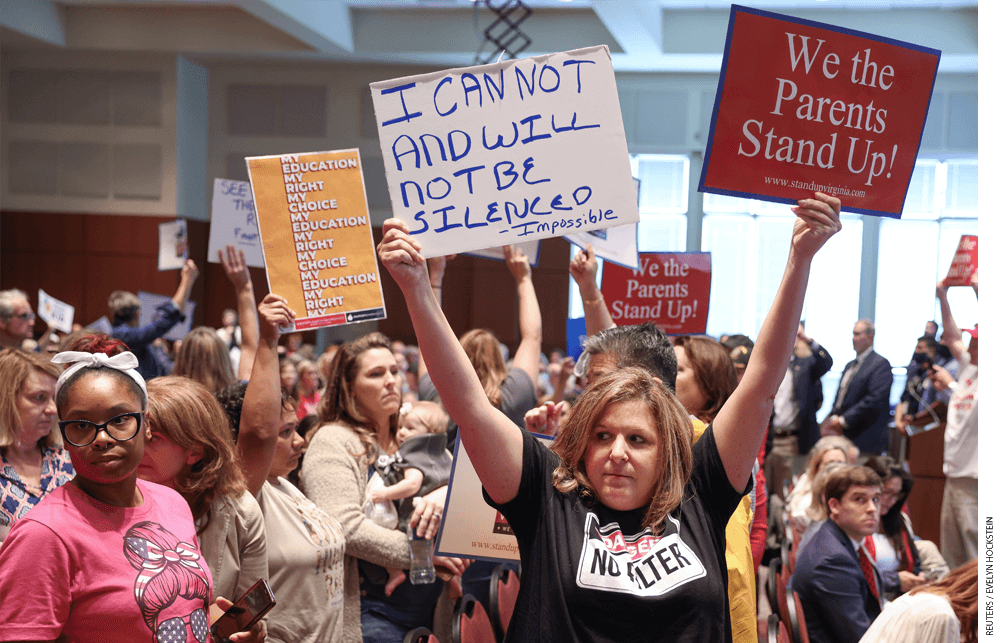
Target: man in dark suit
(861, 410)
(834, 574)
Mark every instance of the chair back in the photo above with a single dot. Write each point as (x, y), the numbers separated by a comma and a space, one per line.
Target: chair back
(784, 599)
(773, 627)
(800, 633)
(420, 635)
(471, 624)
(504, 585)
(773, 572)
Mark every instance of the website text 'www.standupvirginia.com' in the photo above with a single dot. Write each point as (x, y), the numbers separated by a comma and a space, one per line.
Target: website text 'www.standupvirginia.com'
(814, 187)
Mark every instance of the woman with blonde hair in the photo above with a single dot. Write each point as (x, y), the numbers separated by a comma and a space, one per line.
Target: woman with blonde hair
(32, 460)
(831, 448)
(943, 612)
(602, 531)
(204, 358)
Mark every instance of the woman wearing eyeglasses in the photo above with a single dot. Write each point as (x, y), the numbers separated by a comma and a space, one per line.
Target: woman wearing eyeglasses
(32, 460)
(107, 556)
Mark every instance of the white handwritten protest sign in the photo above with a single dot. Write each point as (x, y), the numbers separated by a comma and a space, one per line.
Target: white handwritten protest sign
(54, 312)
(173, 245)
(530, 250)
(150, 302)
(234, 222)
(616, 244)
(519, 150)
(470, 528)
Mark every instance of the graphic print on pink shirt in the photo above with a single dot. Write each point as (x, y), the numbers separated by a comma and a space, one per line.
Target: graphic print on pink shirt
(172, 588)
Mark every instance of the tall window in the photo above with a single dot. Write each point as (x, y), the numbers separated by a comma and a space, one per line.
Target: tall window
(916, 251)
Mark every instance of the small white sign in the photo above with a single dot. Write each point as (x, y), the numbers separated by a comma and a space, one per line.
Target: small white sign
(150, 302)
(617, 244)
(530, 250)
(54, 312)
(470, 528)
(234, 222)
(173, 245)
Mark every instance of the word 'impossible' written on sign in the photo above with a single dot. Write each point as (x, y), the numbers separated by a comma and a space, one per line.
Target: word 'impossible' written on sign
(317, 240)
(504, 153)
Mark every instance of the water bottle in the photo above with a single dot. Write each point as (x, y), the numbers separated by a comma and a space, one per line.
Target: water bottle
(421, 565)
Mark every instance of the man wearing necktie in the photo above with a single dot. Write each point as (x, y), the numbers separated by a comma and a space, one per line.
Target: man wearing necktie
(834, 575)
(861, 409)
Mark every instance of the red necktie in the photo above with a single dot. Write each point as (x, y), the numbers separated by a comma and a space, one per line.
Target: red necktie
(866, 565)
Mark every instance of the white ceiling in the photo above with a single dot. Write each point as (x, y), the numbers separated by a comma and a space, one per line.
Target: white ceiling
(643, 35)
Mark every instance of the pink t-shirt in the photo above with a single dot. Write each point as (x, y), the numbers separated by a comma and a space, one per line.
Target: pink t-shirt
(93, 572)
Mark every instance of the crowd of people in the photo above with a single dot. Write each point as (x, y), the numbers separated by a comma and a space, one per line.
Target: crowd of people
(145, 486)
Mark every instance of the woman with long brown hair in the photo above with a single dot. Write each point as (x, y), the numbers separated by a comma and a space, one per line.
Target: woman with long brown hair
(360, 413)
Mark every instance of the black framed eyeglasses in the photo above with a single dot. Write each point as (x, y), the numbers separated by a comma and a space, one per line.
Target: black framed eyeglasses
(25, 316)
(81, 433)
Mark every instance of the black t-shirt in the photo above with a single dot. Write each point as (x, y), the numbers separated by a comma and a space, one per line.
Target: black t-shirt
(591, 573)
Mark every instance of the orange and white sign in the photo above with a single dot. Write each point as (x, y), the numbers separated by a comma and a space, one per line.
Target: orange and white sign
(316, 236)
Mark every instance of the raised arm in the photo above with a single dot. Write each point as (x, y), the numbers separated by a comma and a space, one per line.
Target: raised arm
(435, 272)
(235, 263)
(741, 423)
(951, 334)
(583, 269)
(492, 441)
(260, 420)
(529, 351)
(189, 273)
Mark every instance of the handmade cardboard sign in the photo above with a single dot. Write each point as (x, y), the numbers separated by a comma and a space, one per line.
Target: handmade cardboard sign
(234, 222)
(316, 236)
(173, 245)
(670, 289)
(470, 528)
(519, 150)
(54, 312)
(804, 106)
(151, 301)
(966, 262)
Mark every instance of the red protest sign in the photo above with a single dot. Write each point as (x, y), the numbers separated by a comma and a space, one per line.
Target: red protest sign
(966, 262)
(804, 106)
(670, 289)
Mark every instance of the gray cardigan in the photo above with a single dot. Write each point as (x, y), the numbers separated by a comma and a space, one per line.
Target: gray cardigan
(335, 480)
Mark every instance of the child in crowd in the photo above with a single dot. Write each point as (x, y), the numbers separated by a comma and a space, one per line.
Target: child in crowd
(421, 465)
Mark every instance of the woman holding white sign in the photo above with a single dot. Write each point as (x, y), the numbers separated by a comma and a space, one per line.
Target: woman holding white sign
(622, 525)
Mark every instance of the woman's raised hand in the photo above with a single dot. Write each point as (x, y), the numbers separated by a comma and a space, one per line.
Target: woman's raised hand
(400, 254)
(274, 312)
(517, 263)
(235, 264)
(818, 220)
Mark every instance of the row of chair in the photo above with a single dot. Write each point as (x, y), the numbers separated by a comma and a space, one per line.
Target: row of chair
(785, 604)
(471, 623)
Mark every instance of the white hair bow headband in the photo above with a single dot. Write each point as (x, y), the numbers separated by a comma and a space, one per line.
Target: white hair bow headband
(124, 362)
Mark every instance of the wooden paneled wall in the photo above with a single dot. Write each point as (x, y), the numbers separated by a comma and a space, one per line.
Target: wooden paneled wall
(82, 258)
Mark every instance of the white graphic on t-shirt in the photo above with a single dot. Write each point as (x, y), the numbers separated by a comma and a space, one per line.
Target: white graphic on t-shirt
(642, 564)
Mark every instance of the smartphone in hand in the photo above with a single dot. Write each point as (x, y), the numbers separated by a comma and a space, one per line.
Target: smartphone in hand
(250, 608)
